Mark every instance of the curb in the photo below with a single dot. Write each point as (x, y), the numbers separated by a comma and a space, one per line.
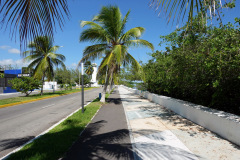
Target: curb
(28, 101)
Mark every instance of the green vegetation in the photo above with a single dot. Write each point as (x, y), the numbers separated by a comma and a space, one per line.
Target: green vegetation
(129, 77)
(70, 76)
(38, 96)
(106, 30)
(179, 8)
(56, 142)
(200, 65)
(43, 55)
(25, 84)
(33, 18)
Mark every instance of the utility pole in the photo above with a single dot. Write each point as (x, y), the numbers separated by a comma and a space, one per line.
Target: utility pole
(82, 90)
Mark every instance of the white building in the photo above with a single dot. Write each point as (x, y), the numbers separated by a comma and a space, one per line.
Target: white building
(94, 75)
(50, 85)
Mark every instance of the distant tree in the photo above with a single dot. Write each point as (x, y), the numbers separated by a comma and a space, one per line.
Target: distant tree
(43, 55)
(89, 70)
(25, 84)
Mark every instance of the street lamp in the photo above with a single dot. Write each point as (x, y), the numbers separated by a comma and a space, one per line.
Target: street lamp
(82, 90)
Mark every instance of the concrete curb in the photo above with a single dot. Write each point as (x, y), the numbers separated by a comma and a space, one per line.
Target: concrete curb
(28, 101)
(46, 131)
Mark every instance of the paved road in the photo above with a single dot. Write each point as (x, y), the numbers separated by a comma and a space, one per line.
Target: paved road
(20, 123)
(106, 137)
(18, 94)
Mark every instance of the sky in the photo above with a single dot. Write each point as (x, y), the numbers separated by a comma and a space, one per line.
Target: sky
(141, 15)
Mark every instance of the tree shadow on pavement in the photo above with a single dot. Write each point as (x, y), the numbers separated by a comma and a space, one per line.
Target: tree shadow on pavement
(110, 145)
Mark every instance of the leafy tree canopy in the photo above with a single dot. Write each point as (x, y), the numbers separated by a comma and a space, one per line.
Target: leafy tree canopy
(25, 84)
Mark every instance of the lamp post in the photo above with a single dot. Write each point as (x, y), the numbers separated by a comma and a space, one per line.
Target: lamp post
(82, 90)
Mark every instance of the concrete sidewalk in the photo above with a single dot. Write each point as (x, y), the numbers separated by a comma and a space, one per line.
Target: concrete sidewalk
(106, 137)
(157, 133)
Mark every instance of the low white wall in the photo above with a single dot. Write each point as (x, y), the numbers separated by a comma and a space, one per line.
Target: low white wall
(224, 124)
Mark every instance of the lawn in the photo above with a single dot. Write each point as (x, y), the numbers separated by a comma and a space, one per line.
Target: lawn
(38, 96)
(57, 141)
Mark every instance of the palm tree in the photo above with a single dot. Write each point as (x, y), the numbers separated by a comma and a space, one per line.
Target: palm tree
(89, 70)
(106, 30)
(43, 55)
(33, 18)
(178, 8)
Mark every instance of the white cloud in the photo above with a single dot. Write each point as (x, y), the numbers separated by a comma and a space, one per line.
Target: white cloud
(5, 47)
(14, 63)
(73, 65)
(14, 50)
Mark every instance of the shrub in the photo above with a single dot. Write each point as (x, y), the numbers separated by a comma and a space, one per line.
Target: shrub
(25, 84)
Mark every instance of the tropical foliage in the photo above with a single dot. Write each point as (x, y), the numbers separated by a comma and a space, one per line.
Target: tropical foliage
(70, 77)
(33, 18)
(25, 84)
(106, 31)
(43, 57)
(200, 65)
(179, 8)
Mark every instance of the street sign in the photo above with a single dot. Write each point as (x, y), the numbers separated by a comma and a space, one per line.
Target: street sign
(23, 75)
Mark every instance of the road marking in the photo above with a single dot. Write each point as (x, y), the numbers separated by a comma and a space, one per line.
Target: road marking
(48, 106)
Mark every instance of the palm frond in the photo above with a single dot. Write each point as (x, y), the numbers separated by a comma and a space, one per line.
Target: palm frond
(138, 43)
(178, 8)
(33, 18)
(94, 35)
(132, 33)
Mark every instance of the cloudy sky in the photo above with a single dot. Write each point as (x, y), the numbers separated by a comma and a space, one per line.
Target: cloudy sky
(141, 15)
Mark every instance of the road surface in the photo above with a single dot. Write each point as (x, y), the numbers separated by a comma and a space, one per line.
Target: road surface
(20, 123)
(19, 94)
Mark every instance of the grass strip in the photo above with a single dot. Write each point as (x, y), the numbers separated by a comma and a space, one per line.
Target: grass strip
(24, 99)
(56, 142)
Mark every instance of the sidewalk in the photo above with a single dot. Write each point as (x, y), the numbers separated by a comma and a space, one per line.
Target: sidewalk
(106, 137)
(158, 133)
(155, 134)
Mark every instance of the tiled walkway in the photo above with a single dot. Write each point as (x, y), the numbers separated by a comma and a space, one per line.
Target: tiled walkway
(157, 133)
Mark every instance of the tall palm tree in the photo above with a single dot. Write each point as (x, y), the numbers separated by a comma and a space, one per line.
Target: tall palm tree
(33, 18)
(89, 70)
(178, 8)
(43, 55)
(106, 30)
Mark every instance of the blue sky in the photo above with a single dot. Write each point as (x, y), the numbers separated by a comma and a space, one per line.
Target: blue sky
(141, 15)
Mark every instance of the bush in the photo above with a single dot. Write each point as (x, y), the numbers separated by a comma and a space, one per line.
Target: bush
(25, 84)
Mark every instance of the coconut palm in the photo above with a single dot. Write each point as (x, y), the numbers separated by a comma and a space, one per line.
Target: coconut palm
(106, 31)
(89, 70)
(33, 18)
(43, 57)
(178, 8)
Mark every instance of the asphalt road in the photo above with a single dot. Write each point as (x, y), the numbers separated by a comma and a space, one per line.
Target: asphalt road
(19, 124)
(18, 94)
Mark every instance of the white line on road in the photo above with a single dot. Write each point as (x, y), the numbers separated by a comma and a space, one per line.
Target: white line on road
(48, 106)
(17, 149)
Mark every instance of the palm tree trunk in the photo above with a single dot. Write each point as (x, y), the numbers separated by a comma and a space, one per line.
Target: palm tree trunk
(106, 85)
(42, 83)
(111, 83)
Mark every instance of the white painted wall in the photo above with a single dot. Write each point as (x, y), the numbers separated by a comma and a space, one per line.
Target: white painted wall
(50, 85)
(224, 124)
